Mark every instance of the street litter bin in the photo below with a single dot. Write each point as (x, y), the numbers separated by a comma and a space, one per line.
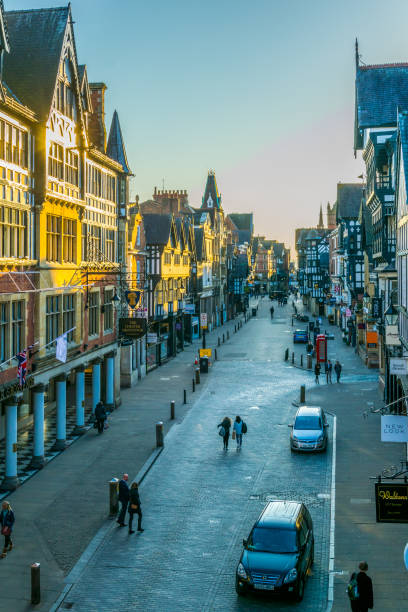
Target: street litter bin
(204, 365)
(254, 312)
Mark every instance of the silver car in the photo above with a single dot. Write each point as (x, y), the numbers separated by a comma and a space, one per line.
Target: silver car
(309, 430)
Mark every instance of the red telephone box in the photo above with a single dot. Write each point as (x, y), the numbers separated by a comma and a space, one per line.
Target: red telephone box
(321, 348)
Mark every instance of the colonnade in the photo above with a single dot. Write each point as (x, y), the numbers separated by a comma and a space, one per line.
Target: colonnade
(11, 480)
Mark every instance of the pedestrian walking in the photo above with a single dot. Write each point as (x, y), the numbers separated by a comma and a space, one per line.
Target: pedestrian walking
(124, 499)
(317, 373)
(238, 423)
(329, 371)
(272, 311)
(135, 507)
(225, 431)
(337, 369)
(6, 522)
(100, 416)
(360, 590)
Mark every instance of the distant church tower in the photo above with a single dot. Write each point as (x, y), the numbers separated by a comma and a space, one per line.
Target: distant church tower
(320, 225)
(331, 216)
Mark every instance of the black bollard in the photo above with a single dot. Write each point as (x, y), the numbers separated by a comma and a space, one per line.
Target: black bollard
(215, 355)
(293, 357)
(286, 354)
(113, 496)
(227, 335)
(301, 361)
(302, 394)
(172, 410)
(223, 337)
(159, 434)
(185, 396)
(197, 376)
(35, 584)
(193, 385)
(219, 341)
(235, 329)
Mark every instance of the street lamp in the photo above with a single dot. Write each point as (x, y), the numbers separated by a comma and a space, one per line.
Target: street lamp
(391, 315)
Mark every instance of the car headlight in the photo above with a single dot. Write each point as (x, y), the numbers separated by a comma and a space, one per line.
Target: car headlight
(294, 438)
(320, 438)
(291, 576)
(241, 571)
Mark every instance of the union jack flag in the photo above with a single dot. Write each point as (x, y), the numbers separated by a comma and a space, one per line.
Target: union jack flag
(22, 367)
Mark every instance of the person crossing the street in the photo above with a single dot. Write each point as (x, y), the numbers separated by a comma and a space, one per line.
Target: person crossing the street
(6, 523)
(272, 311)
(317, 372)
(329, 370)
(363, 599)
(135, 507)
(337, 369)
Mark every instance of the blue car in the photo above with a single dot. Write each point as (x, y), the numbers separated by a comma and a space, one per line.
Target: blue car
(300, 336)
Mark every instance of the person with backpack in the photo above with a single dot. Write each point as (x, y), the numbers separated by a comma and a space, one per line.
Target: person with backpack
(360, 590)
(225, 430)
(238, 425)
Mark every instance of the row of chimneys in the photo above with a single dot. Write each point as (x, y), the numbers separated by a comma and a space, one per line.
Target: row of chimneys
(170, 194)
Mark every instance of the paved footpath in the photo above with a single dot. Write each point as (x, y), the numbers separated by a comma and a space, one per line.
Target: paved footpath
(199, 501)
(59, 510)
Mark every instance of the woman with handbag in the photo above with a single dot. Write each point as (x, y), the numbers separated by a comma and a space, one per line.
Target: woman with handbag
(225, 431)
(6, 522)
(134, 507)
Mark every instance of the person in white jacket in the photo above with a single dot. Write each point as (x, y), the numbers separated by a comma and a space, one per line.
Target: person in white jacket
(238, 431)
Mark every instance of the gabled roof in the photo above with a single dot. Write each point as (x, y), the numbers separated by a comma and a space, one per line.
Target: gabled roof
(348, 202)
(243, 221)
(211, 197)
(36, 39)
(115, 148)
(403, 139)
(84, 88)
(157, 228)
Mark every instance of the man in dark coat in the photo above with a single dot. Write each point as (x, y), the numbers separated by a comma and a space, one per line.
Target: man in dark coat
(135, 507)
(365, 600)
(337, 369)
(100, 416)
(124, 499)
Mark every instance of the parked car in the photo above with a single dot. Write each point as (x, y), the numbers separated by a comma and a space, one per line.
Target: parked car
(278, 551)
(300, 336)
(309, 430)
(302, 317)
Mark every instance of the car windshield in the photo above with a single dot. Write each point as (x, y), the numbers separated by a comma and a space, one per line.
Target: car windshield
(307, 422)
(272, 540)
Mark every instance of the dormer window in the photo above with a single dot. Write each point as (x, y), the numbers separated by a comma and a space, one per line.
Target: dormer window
(65, 96)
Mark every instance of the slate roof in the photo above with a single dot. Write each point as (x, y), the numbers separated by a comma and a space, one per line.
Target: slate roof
(211, 192)
(157, 228)
(348, 202)
(380, 90)
(5, 43)
(30, 70)
(115, 149)
(243, 221)
(244, 236)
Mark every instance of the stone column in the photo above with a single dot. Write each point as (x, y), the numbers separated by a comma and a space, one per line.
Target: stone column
(61, 394)
(80, 400)
(110, 380)
(96, 383)
(11, 480)
(38, 459)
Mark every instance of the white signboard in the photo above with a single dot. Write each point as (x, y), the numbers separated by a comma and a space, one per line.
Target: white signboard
(203, 320)
(392, 336)
(394, 428)
(151, 338)
(398, 366)
(189, 308)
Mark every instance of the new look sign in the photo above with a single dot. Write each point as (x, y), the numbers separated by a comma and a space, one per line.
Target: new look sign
(394, 428)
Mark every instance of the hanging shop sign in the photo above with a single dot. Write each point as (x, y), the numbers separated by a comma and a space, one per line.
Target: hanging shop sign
(392, 336)
(151, 338)
(189, 308)
(394, 428)
(133, 327)
(133, 298)
(399, 366)
(203, 320)
(391, 502)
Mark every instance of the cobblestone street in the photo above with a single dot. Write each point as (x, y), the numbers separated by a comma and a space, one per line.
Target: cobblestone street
(199, 502)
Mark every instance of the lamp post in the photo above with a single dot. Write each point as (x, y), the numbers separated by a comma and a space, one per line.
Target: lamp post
(390, 320)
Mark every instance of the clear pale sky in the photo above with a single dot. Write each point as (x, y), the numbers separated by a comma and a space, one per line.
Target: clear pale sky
(260, 91)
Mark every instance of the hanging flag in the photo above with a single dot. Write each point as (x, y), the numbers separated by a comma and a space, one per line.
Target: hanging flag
(22, 367)
(62, 346)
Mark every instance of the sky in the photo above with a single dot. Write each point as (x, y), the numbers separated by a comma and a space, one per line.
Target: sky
(262, 92)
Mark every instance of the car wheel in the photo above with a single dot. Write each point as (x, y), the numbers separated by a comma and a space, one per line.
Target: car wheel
(240, 590)
(300, 591)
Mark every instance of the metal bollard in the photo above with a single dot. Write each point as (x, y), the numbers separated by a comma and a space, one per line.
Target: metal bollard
(286, 354)
(223, 337)
(197, 378)
(227, 335)
(193, 385)
(301, 361)
(113, 496)
(293, 357)
(35, 583)
(309, 362)
(159, 434)
(235, 329)
(215, 355)
(219, 341)
(185, 396)
(302, 394)
(172, 410)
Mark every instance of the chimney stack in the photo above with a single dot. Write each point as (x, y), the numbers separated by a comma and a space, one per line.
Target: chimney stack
(97, 128)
